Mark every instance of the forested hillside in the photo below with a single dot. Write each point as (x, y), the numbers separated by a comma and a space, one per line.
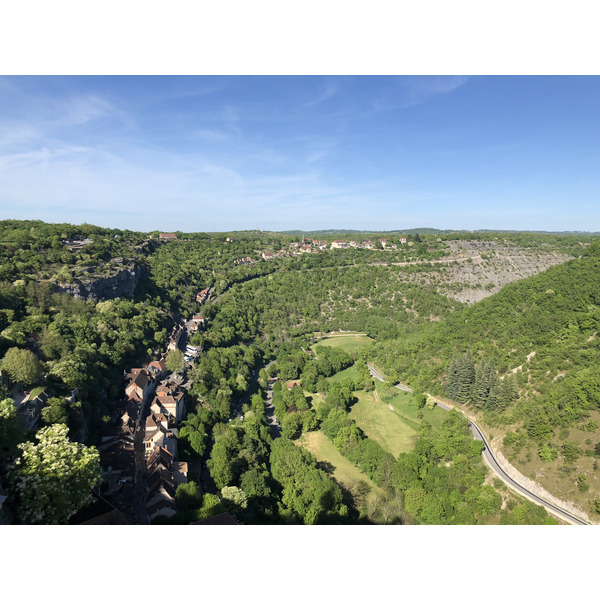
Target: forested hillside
(527, 357)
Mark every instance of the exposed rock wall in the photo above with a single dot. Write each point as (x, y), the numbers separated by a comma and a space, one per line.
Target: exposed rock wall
(483, 268)
(118, 285)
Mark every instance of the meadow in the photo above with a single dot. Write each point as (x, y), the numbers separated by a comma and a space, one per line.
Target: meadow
(362, 489)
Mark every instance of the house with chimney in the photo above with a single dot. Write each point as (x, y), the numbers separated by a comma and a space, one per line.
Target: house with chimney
(160, 437)
(174, 337)
(158, 368)
(141, 384)
(169, 401)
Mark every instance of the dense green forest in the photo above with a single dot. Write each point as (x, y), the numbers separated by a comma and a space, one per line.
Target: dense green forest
(524, 358)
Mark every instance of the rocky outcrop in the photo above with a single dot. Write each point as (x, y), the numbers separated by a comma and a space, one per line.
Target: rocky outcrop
(474, 270)
(120, 284)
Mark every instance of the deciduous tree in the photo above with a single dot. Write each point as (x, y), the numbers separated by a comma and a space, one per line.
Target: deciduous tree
(22, 365)
(53, 479)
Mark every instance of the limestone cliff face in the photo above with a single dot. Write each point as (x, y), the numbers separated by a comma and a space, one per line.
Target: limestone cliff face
(483, 268)
(117, 285)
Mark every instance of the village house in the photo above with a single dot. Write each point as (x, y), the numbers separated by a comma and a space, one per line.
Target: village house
(197, 321)
(31, 408)
(403, 240)
(368, 244)
(163, 463)
(78, 244)
(169, 401)
(123, 430)
(170, 406)
(267, 255)
(174, 337)
(383, 243)
(161, 499)
(167, 236)
(158, 368)
(201, 295)
(353, 244)
(305, 248)
(117, 460)
(339, 244)
(165, 438)
(180, 472)
(164, 475)
(131, 413)
(141, 384)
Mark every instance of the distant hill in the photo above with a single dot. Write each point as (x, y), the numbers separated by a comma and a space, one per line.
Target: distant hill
(430, 231)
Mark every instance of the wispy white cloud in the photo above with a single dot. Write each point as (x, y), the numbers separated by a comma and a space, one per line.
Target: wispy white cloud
(211, 135)
(79, 110)
(329, 90)
(196, 92)
(404, 92)
(17, 132)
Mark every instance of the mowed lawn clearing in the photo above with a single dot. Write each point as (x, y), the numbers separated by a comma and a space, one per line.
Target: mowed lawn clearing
(343, 471)
(350, 372)
(405, 406)
(350, 342)
(391, 430)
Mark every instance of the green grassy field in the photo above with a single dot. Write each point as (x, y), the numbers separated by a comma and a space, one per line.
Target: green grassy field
(406, 407)
(392, 432)
(350, 342)
(391, 417)
(343, 471)
(349, 372)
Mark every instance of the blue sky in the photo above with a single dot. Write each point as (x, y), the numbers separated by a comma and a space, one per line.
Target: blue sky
(210, 153)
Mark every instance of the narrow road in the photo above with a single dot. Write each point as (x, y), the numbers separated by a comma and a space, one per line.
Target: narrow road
(491, 461)
(502, 474)
(140, 490)
(274, 425)
(375, 374)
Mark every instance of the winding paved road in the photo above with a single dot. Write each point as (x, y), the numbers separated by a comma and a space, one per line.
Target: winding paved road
(498, 470)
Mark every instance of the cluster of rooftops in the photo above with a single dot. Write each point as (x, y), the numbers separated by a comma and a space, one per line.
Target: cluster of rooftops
(163, 471)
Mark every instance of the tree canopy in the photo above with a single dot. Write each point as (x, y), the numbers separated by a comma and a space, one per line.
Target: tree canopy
(22, 365)
(53, 478)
